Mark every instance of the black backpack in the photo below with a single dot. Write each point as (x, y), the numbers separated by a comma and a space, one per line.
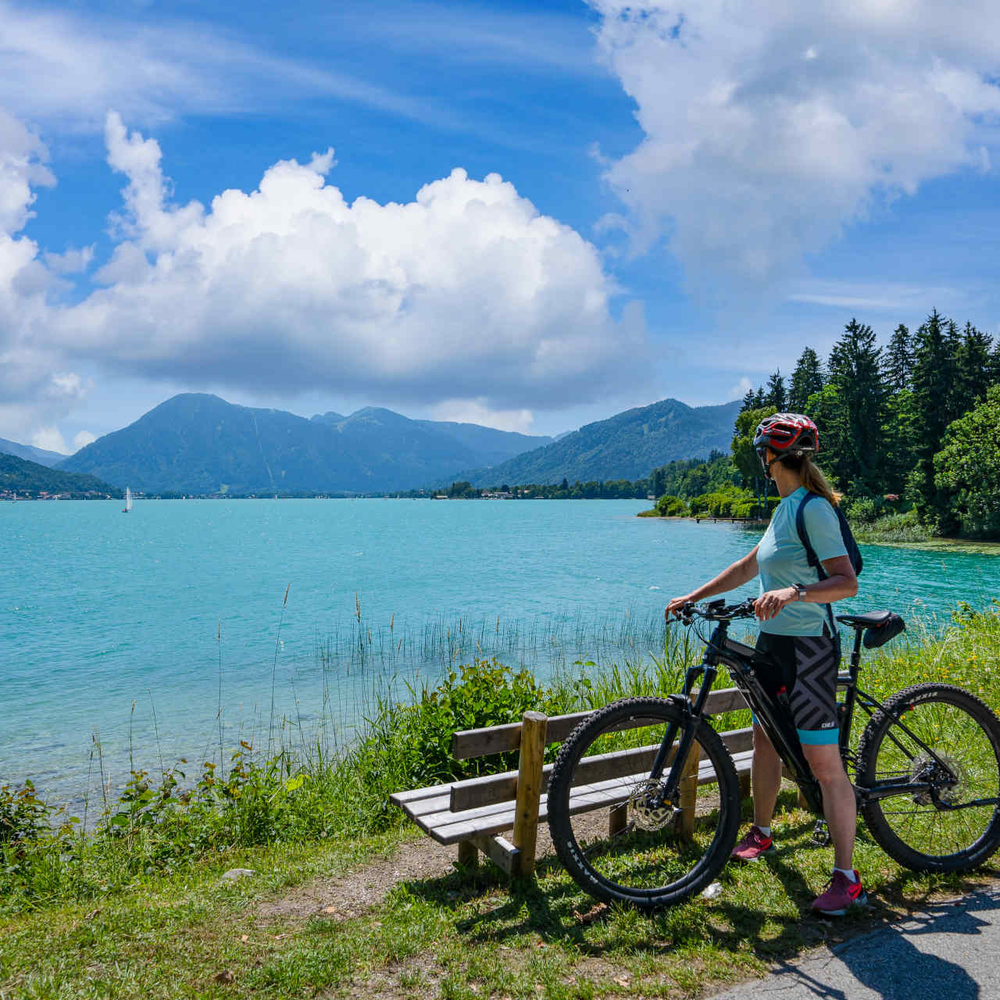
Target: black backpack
(853, 552)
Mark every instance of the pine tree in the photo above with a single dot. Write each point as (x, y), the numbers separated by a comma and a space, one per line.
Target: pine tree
(933, 396)
(897, 366)
(973, 369)
(748, 401)
(806, 380)
(855, 371)
(775, 397)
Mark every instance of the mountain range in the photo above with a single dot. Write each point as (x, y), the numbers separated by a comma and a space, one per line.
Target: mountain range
(196, 443)
(199, 443)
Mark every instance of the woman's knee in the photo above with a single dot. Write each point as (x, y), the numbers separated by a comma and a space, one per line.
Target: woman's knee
(826, 763)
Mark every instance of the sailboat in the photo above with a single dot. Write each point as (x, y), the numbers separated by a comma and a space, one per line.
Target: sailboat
(128, 501)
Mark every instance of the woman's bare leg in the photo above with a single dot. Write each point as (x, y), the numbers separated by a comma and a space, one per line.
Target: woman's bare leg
(839, 805)
(765, 775)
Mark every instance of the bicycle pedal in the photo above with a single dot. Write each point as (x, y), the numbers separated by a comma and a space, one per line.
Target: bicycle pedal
(820, 834)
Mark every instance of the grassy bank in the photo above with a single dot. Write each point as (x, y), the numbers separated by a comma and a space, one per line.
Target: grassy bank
(138, 907)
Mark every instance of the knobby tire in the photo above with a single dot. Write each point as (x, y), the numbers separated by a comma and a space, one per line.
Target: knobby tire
(662, 868)
(965, 735)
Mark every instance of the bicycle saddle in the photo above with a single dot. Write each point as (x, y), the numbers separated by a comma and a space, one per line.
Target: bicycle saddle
(879, 626)
(872, 618)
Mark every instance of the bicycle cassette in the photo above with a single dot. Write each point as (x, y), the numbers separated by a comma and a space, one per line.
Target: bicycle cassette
(942, 772)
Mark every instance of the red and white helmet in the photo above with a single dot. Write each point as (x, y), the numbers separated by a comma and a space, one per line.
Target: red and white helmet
(787, 434)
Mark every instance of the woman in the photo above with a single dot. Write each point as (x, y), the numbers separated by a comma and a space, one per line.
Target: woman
(796, 629)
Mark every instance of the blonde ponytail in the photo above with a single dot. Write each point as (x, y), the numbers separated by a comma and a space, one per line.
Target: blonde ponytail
(814, 481)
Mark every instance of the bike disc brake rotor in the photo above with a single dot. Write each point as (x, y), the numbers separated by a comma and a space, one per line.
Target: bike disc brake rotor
(944, 773)
(647, 808)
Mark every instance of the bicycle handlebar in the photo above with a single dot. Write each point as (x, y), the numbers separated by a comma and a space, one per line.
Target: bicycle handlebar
(718, 611)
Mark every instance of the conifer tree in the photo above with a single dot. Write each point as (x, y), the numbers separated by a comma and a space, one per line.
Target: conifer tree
(775, 397)
(855, 371)
(933, 400)
(806, 379)
(897, 365)
(973, 369)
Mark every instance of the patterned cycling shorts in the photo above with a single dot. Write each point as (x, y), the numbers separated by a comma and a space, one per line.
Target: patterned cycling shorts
(806, 666)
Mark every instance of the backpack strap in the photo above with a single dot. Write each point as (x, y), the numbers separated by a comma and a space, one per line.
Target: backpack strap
(811, 557)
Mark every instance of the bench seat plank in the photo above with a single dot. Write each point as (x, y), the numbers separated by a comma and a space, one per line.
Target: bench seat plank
(449, 827)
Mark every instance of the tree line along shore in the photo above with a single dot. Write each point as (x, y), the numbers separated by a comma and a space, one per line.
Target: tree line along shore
(907, 435)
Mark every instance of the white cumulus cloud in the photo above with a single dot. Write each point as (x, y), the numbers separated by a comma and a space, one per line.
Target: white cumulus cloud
(770, 126)
(466, 294)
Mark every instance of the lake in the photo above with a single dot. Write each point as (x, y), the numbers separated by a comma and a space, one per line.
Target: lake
(110, 623)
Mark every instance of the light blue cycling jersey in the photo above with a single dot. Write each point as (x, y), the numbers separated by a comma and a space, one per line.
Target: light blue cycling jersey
(782, 562)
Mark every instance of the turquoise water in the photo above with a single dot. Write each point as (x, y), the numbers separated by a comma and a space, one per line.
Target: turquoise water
(109, 623)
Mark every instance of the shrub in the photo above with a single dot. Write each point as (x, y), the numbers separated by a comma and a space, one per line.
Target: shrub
(863, 510)
(671, 506)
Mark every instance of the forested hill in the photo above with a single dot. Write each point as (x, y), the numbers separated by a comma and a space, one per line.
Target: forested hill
(197, 443)
(626, 446)
(23, 478)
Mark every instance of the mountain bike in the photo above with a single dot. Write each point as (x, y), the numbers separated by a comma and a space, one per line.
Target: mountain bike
(926, 772)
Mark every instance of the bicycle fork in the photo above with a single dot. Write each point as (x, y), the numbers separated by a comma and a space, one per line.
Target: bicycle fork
(668, 791)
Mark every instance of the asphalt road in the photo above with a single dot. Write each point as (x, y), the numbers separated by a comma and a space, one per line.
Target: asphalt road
(946, 951)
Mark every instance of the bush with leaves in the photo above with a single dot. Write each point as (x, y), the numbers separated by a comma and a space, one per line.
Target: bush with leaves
(967, 472)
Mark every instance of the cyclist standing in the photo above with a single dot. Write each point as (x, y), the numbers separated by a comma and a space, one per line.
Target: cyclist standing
(798, 633)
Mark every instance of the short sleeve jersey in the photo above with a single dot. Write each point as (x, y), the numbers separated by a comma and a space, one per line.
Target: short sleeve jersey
(782, 562)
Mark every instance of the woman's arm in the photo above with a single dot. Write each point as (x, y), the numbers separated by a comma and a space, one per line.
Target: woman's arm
(841, 582)
(741, 571)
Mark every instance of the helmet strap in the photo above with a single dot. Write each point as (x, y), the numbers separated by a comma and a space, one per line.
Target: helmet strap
(767, 465)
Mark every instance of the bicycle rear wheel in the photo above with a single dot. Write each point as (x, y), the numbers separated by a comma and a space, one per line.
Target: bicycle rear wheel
(625, 851)
(938, 829)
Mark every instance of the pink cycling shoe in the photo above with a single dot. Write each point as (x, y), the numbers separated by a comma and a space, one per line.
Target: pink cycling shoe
(839, 896)
(753, 846)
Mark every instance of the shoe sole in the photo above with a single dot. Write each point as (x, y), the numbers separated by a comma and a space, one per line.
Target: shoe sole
(862, 900)
(752, 861)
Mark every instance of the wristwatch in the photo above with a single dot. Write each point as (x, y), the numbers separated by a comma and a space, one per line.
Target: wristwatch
(800, 590)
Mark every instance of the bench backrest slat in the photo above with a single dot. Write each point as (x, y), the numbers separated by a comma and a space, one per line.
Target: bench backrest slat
(499, 739)
(475, 793)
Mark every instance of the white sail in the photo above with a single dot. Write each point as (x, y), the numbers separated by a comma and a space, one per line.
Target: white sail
(128, 501)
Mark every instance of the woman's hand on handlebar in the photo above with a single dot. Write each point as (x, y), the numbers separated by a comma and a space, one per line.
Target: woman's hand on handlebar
(770, 603)
(676, 605)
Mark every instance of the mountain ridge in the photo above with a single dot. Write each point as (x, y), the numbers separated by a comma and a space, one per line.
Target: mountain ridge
(30, 453)
(627, 445)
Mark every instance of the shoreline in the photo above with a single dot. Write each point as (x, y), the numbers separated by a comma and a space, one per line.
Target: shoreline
(966, 546)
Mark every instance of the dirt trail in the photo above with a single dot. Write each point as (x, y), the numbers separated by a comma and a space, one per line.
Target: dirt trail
(357, 891)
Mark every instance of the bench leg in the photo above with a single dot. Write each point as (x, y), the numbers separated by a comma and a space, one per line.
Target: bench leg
(468, 854)
(617, 819)
(689, 792)
(529, 789)
(746, 790)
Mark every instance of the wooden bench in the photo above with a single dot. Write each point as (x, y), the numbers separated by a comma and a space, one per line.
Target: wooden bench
(474, 813)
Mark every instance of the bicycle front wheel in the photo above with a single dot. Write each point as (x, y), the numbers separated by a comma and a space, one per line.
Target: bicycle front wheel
(947, 742)
(606, 826)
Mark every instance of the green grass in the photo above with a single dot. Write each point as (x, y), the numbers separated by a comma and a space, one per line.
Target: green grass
(141, 912)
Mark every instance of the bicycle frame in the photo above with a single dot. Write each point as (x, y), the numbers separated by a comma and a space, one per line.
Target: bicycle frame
(774, 717)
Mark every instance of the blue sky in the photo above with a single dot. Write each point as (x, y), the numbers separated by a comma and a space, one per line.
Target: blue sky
(690, 194)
